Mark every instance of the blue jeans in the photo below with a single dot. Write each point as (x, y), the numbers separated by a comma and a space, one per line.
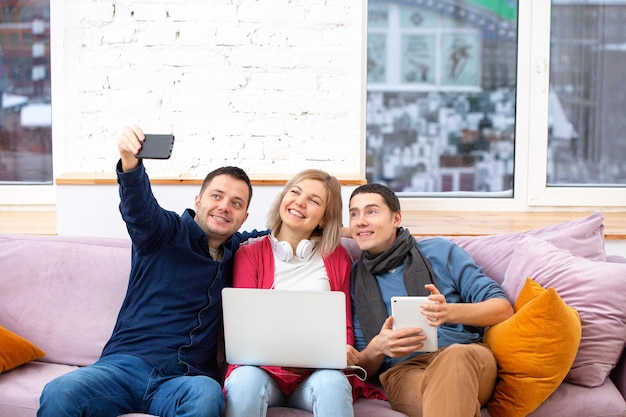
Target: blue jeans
(250, 391)
(120, 384)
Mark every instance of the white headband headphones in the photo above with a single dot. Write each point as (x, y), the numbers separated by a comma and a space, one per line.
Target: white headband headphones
(283, 250)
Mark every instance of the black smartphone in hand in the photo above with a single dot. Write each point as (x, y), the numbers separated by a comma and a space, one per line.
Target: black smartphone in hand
(156, 147)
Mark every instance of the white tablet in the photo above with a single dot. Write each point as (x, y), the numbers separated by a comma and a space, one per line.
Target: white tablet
(406, 313)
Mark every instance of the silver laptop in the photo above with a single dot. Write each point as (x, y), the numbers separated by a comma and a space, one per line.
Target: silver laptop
(285, 328)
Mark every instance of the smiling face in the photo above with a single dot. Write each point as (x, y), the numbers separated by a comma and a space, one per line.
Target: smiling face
(373, 224)
(221, 208)
(302, 208)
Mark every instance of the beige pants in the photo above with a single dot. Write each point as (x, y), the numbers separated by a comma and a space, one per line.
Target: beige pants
(452, 382)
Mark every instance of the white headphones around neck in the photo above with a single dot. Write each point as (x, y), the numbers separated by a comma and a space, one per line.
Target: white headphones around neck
(284, 252)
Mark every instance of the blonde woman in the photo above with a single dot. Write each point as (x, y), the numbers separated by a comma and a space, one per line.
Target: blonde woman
(303, 252)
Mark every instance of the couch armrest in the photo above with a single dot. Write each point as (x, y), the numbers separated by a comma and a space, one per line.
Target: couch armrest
(618, 375)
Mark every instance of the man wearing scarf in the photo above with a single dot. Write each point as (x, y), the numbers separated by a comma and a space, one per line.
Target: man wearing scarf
(458, 378)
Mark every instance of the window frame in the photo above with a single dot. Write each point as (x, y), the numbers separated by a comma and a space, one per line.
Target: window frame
(530, 190)
(539, 194)
(16, 195)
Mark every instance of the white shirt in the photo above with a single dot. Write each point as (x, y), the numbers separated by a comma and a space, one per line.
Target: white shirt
(307, 274)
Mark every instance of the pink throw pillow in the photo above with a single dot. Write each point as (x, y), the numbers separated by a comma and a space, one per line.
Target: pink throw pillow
(595, 289)
(583, 237)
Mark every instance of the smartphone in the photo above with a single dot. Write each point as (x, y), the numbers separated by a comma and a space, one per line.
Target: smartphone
(406, 313)
(156, 147)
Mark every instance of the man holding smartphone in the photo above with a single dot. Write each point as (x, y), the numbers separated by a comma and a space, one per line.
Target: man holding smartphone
(459, 377)
(162, 358)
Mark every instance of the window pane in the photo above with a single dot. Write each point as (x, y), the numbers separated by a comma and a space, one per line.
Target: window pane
(376, 58)
(587, 127)
(418, 59)
(441, 96)
(25, 111)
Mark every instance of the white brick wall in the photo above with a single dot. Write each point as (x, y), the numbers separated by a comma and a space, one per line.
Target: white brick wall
(273, 86)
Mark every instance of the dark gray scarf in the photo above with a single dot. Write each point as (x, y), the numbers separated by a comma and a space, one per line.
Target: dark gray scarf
(368, 301)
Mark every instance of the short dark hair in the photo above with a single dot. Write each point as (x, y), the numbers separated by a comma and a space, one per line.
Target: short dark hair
(389, 196)
(234, 172)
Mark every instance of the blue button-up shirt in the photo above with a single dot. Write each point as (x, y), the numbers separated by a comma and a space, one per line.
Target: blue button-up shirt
(172, 312)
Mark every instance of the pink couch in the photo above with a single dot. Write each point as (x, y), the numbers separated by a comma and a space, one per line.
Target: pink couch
(63, 294)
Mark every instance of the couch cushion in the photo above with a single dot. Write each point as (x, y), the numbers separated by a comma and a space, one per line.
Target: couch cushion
(534, 349)
(136, 415)
(595, 289)
(63, 294)
(20, 389)
(583, 237)
(362, 408)
(16, 351)
(576, 400)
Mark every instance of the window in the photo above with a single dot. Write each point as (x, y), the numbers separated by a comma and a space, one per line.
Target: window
(518, 103)
(581, 157)
(441, 97)
(25, 110)
(586, 127)
(540, 125)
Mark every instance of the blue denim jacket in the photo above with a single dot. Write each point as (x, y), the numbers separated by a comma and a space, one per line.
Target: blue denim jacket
(171, 315)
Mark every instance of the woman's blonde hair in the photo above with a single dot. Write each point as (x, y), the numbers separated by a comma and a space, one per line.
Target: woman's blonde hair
(331, 231)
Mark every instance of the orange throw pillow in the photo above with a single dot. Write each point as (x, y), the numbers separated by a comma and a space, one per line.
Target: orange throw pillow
(16, 351)
(535, 349)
